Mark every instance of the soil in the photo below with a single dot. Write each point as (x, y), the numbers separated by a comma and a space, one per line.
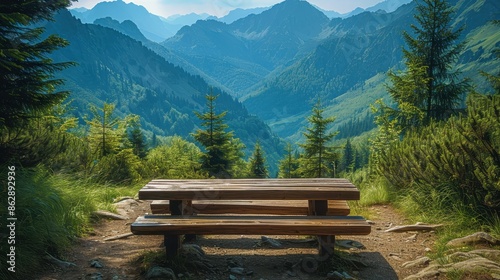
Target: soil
(381, 257)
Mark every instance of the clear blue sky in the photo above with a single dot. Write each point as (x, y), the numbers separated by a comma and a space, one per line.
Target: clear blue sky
(166, 8)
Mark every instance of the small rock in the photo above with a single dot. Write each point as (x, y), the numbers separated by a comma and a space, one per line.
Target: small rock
(96, 264)
(96, 276)
(291, 273)
(269, 241)
(370, 222)
(348, 244)
(413, 237)
(237, 270)
(109, 215)
(234, 262)
(232, 277)
(60, 263)
(334, 275)
(160, 273)
(192, 252)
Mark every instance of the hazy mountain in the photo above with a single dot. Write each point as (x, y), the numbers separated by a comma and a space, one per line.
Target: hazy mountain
(240, 54)
(152, 26)
(113, 67)
(127, 27)
(181, 20)
(354, 60)
(239, 13)
(388, 6)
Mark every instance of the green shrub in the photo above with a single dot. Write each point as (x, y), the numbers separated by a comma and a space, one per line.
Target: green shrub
(451, 165)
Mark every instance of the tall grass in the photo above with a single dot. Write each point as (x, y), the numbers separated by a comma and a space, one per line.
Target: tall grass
(51, 211)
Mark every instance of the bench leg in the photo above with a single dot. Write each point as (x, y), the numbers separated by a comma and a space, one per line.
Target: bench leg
(172, 245)
(326, 245)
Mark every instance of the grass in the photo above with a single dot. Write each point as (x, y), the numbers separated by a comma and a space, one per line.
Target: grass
(51, 211)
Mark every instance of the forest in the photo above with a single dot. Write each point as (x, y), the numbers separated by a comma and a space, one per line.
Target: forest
(422, 151)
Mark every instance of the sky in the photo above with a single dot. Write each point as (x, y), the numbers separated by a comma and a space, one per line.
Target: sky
(220, 8)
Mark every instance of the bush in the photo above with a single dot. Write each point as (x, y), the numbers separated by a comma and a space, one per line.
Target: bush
(456, 162)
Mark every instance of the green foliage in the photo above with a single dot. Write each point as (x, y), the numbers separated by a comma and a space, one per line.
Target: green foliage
(26, 72)
(453, 164)
(176, 159)
(40, 140)
(388, 134)
(430, 85)
(348, 160)
(123, 167)
(51, 211)
(289, 165)
(257, 163)
(318, 159)
(136, 137)
(222, 151)
(408, 90)
(106, 131)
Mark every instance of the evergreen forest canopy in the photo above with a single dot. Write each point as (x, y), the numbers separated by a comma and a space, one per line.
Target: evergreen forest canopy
(116, 120)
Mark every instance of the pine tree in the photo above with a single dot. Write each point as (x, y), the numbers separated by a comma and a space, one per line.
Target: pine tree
(136, 137)
(289, 165)
(257, 165)
(349, 157)
(221, 150)
(106, 131)
(429, 84)
(318, 160)
(27, 84)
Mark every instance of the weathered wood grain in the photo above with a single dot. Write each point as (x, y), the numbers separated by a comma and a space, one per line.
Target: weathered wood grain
(271, 207)
(274, 225)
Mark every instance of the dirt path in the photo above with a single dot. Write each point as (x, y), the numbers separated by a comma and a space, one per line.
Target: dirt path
(383, 255)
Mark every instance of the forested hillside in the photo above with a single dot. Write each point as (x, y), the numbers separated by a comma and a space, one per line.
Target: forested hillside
(116, 69)
(348, 68)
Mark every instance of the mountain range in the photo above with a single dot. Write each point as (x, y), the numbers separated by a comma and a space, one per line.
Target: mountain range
(269, 66)
(115, 68)
(157, 28)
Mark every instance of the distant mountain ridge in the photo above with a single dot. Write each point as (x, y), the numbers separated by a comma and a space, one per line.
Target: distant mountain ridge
(152, 26)
(115, 68)
(359, 49)
(242, 53)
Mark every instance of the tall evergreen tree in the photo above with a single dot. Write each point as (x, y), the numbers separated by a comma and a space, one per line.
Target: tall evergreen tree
(221, 151)
(318, 158)
(257, 164)
(27, 84)
(429, 84)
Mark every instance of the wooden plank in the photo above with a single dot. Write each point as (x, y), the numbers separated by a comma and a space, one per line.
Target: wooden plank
(272, 207)
(287, 183)
(232, 192)
(277, 225)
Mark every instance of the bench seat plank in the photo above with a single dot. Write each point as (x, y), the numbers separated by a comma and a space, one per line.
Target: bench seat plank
(272, 207)
(251, 225)
(250, 189)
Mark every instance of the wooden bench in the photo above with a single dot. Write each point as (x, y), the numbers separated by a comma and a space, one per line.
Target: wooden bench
(271, 207)
(306, 207)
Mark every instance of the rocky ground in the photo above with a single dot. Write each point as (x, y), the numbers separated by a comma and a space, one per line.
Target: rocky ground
(380, 255)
